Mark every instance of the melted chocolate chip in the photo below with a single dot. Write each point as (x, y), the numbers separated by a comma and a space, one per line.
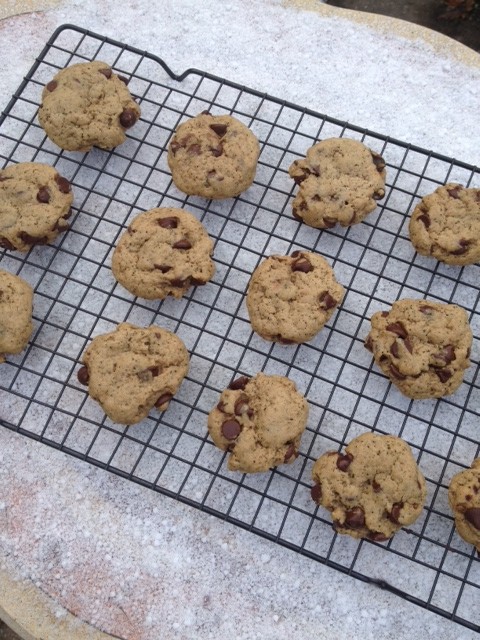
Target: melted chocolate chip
(217, 151)
(394, 349)
(128, 117)
(231, 429)
(239, 383)
(52, 85)
(316, 493)
(43, 195)
(446, 355)
(183, 244)
(107, 72)
(355, 518)
(302, 264)
(425, 218)
(219, 129)
(327, 301)
(443, 374)
(398, 329)
(454, 192)
(83, 375)
(344, 461)
(472, 516)
(168, 223)
(164, 399)
(194, 150)
(396, 373)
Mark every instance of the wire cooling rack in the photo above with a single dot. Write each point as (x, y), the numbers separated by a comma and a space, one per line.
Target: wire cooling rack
(76, 298)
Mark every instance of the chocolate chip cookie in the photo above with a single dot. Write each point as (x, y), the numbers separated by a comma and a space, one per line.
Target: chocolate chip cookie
(34, 205)
(290, 298)
(87, 105)
(464, 500)
(133, 369)
(213, 156)
(422, 346)
(373, 489)
(339, 181)
(260, 421)
(446, 225)
(163, 252)
(16, 300)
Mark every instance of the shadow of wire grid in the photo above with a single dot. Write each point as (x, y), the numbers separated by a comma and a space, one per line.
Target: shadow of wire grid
(77, 298)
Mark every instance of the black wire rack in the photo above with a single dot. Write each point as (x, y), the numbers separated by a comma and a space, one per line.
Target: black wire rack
(76, 298)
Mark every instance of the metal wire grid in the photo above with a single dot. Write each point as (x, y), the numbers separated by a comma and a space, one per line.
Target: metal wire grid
(76, 298)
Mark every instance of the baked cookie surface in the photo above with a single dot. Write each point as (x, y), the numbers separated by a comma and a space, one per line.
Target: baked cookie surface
(213, 156)
(87, 105)
(16, 301)
(290, 298)
(422, 346)
(371, 490)
(163, 252)
(35, 203)
(260, 421)
(464, 500)
(133, 369)
(446, 225)
(339, 180)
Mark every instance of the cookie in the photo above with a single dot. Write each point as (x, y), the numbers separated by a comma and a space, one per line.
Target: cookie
(213, 156)
(16, 301)
(133, 369)
(422, 346)
(34, 205)
(339, 181)
(373, 489)
(446, 225)
(464, 500)
(87, 105)
(163, 252)
(260, 421)
(290, 298)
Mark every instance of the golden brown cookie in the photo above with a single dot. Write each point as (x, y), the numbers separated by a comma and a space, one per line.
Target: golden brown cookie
(213, 156)
(260, 421)
(290, 298)
(464, 500)
(422, 346)
(446, 225)
(35, 203)
(163, 252)
(371, 490)
(87, 105)
(16, 300)
(340, 181)
(133, 369)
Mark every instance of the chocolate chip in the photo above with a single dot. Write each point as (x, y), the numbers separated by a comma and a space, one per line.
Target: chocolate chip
(344, 461)
(124, 79)
(219, 129)
(369, 343)
(378, 195)
(446, 355)
(4, 178)
(168, 223)
(180, 282)
(239, 383)
(472, 516)
(296, 253)
(279, 338)
(31, 240)
(384, 314)
(396, 373)
(295, 215)
(163, 267)
(426, 310)
(128, 117)
(376, 487)
(299, 178)
(43, 195)
(408, 345)
(395, 512)
(147, 374)
(163, 400)
(183, 244)
(376, 536)
(175, 146)
(316, 493)
(329, 223)
(63, 184)
(327, 301)
(221, 406)
(231, 429)
(83, 375)
(378, 161)
(52, 85)
(302, 264)
(425, 218)
(194, 150)
(197, 282)
(355, 518)
(241, 405)
(291, 454)
(394, 349)
(217, 151)
(107, 72)
(454, 191)
(443, 374)
(6, 244)
(398, 329)
(463, 248)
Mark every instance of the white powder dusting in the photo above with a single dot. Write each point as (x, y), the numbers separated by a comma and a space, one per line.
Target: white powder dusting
(131, 561)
